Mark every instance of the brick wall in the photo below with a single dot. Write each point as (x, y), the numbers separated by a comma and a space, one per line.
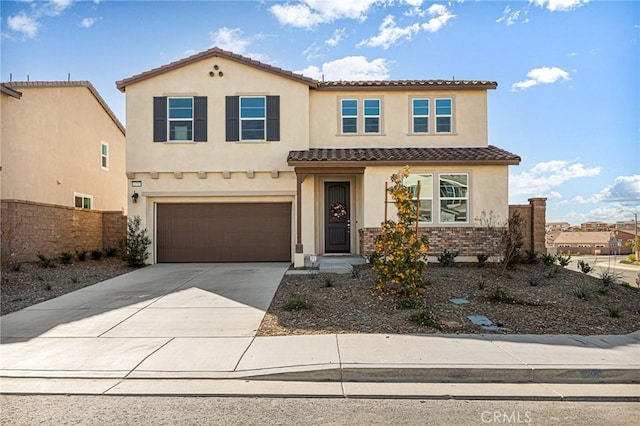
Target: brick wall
(533, 224)
(30, 228)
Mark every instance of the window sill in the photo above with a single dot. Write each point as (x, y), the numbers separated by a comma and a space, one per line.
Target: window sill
(432, 134)
(348, 135)
(180, 142)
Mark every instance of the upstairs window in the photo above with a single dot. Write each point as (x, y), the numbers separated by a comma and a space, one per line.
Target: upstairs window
(82, 201)
(180, 119)
(180, 116)
(371, 115)
(426, 194)
(252, 118)
(253, 115)
(349, 116)
(104, 156)
(420, 113)
(454, 197)
(443, 115)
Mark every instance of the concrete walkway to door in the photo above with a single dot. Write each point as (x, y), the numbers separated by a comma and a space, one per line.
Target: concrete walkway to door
(141, 318)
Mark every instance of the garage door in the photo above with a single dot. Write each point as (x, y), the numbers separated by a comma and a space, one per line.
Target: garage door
(224, 232)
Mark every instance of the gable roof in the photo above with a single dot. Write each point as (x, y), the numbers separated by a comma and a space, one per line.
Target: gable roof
(401, 156)
(87, 84)
(593, 237)
(9, 91)
(216, 52)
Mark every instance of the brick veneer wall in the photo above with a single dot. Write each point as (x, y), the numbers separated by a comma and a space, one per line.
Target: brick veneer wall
(29, 228)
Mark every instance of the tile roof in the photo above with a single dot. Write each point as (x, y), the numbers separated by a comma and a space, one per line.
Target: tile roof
(313, 84)
(87, 84)
(9, 91)
(401, 156)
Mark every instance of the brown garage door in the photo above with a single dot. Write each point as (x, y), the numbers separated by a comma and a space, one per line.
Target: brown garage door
(224, 232)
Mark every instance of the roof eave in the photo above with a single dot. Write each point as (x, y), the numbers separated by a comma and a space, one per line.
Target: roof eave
(404, 88)
(352, 163)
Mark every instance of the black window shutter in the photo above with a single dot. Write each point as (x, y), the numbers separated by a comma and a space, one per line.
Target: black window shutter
(232, 118)
(160, 119)
(273, 118)
(200, 119)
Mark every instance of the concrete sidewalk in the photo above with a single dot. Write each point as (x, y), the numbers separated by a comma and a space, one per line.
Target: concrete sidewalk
(190, 330)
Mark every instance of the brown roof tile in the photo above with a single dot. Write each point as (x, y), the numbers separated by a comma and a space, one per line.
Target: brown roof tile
(407, 84)
(87, 84)
(401, 156)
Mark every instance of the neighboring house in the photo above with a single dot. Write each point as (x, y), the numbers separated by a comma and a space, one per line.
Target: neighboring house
(595, 226)
(594, 242)
(63, 184)
(230, 159)
(557, 226)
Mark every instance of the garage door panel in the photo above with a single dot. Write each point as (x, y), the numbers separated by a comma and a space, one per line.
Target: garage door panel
(224, 232)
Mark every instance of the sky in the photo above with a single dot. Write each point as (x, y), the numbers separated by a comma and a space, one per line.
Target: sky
(568, 71)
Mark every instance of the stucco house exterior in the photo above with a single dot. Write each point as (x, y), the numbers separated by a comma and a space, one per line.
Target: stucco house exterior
(63, 185)
(230, 159)
(594, 242)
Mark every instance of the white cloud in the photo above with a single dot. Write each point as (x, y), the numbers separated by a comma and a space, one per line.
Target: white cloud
(310, 13)
(337, 36)
(349, 68)
(559, 5)
(56, 7)
(624, 189)
(230, 39)
(543, 177)
(88, 22)
(390, 33)
(23, 24)
(509, 17)
(543, 75)
(441, 15)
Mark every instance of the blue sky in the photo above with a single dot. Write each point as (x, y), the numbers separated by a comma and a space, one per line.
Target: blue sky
(568, 97)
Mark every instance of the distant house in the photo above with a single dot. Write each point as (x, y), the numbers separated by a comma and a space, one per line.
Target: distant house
(63, 183)
(236, 160)
(595, 226)
(557, 226)
(593, 242)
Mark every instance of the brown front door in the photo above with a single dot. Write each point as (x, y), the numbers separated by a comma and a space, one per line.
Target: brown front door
(337, 231)
(223, 232)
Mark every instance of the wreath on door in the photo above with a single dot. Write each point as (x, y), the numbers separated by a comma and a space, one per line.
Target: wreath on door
(338, 212)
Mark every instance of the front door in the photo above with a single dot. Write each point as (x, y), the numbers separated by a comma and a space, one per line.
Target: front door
(337, 230)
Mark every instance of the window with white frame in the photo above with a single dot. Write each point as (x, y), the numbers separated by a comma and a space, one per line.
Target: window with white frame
(371, 115)
(426, 194)
(444, 114)
(420, 115)
(349, 115)
(104, 155)
(454, 197)
(253, 113)
(82, 201)
(180, 118)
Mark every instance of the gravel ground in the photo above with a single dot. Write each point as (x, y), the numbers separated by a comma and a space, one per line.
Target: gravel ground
(33, 283)
(537, 299)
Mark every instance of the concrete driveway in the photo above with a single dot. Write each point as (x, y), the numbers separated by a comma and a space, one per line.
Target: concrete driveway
(113, 326)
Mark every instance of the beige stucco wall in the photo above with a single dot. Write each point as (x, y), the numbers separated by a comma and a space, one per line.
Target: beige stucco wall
(51, 149)
(469, 119)
(216, 154)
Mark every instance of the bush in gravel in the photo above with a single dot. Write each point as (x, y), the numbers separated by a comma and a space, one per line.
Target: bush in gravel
(96, 254)
(297, 304)
(15, 267)
(448, 257)
(534, 281)
(482, 259)
(608, 277)
(409, 303)
(66, 258)
(584, 267)
(328, 280)
(425, 318)
(137, 245)
(582, 292)
(110, 251)
(551, 273)
(564, 260)
(81, 255)
(512, 240)
(614, 311)
(402, 255)
(549, 259)
(45, 261)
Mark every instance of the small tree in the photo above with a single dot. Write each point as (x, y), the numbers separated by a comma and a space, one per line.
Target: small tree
(512, 240)
(138, 242)
(400, 259)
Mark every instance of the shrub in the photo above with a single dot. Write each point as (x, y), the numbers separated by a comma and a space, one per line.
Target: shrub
(74, 279)
(448, 257)
(81, 255)
(110, 251)
(512, 240)
(532, 257)
(608, 277)
(482, 283)
(328, 280)
(614, 311)
(425, 318)
(482, 259)
(584, 267)
(15, 267)
(66, 257)
(534, 281)
(548, 259)
(582, 292)
(564, 260)
(401, 254)
(45, 261)
(96, 254)
(297, 304)
(551, 273)
(137, 245)
(46, 286)
(499, 294)
(409, 303)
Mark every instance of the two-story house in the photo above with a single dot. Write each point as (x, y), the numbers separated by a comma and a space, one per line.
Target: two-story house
(230, 159)
(63, 184)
